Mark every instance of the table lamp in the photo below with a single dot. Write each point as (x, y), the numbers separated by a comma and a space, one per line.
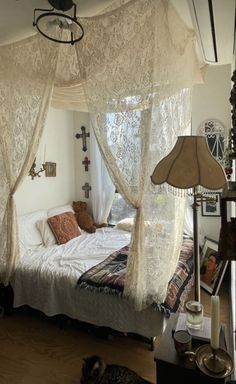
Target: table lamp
(190, 165)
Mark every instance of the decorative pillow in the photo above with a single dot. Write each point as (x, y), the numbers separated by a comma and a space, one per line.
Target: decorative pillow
(58, 210)
(46, 233)
(64, 227)
(126, 224)
(29, 236)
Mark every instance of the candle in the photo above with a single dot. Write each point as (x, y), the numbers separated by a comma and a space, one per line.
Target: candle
(215, 321)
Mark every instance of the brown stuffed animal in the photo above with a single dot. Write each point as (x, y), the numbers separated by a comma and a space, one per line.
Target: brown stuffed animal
(84, 219)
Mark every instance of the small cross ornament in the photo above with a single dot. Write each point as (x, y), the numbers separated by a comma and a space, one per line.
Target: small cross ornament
(83, 136)
(86, 188)
(86, 163)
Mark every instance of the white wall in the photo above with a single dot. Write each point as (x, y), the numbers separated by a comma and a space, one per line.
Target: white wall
(47, 192)
(211, 100)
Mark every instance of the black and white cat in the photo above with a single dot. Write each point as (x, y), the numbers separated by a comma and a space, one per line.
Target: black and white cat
(96, 371)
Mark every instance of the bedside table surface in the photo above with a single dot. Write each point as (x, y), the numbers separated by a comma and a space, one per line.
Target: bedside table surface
(166, 351)
(169, 366)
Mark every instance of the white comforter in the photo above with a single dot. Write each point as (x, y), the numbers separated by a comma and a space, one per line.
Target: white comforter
(46, 280)
(53, 272)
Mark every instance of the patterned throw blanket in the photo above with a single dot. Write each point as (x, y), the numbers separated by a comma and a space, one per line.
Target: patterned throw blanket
(109, 276)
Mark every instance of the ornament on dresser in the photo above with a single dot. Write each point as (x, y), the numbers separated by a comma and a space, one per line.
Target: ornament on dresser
(86, 163)
(86, 188)
(83, 136)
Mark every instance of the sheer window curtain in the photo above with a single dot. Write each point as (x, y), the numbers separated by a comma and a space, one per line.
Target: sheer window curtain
(103, 189)
(27, 72)
(144, 69)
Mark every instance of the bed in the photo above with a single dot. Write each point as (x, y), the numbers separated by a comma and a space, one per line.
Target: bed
(47, 278)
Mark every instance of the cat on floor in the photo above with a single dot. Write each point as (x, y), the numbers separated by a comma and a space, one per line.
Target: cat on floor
(96, 371)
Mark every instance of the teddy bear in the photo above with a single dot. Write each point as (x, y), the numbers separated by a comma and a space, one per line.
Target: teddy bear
(84, 220)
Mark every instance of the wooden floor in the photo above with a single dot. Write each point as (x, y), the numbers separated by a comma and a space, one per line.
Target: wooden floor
(34, 350)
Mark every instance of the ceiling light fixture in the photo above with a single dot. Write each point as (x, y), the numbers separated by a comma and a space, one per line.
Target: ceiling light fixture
(59, 26)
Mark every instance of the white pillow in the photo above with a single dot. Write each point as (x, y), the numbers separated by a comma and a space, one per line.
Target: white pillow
(126, 224)
(46, 233)
(58, 210)
(29, 236)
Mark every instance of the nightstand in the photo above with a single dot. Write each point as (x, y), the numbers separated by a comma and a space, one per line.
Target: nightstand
(170, 367)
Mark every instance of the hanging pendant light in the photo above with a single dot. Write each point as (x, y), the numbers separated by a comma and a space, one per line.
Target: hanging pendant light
(59, 26)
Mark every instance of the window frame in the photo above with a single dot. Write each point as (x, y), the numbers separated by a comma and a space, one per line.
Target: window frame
(210, 128)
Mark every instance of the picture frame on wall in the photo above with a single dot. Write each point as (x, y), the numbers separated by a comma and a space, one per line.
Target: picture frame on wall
(212, 268)
(211, 207)
(50, 169)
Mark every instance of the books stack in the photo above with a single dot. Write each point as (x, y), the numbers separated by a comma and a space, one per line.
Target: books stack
(203, 335)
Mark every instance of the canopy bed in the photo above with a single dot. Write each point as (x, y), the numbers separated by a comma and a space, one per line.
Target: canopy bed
(84, 277)
(133, 72)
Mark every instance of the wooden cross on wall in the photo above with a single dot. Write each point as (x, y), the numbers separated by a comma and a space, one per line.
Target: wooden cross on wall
(83, 136)
(86, 188)
(86, 163)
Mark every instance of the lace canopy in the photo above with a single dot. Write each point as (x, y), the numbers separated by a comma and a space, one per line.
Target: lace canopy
(133, 72)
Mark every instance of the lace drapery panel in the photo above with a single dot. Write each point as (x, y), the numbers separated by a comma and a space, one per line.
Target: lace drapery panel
(108, 38)
(139, 68)
(102, 186)
(27, 71)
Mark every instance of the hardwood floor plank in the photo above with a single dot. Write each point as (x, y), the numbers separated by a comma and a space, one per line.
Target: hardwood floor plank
(34, 350)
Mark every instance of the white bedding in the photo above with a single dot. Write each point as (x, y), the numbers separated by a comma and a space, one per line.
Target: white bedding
(46, 280)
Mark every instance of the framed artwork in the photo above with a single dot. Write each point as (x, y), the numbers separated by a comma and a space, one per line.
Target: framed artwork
(212, 268)
(211, 207)
(50, 169)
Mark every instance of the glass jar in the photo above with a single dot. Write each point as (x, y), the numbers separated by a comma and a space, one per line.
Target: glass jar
(194, 314)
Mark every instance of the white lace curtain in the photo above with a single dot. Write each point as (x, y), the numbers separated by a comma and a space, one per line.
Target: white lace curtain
(102, 186)
(27, 71)
(133, 70)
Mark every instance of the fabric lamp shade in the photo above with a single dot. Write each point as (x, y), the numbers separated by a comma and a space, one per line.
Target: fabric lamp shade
(188, 165)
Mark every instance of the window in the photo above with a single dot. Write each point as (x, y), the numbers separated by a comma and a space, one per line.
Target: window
(125, 144)
(120, 210)
(215, 133)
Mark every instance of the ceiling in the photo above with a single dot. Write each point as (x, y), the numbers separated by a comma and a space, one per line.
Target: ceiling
(16, 18)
